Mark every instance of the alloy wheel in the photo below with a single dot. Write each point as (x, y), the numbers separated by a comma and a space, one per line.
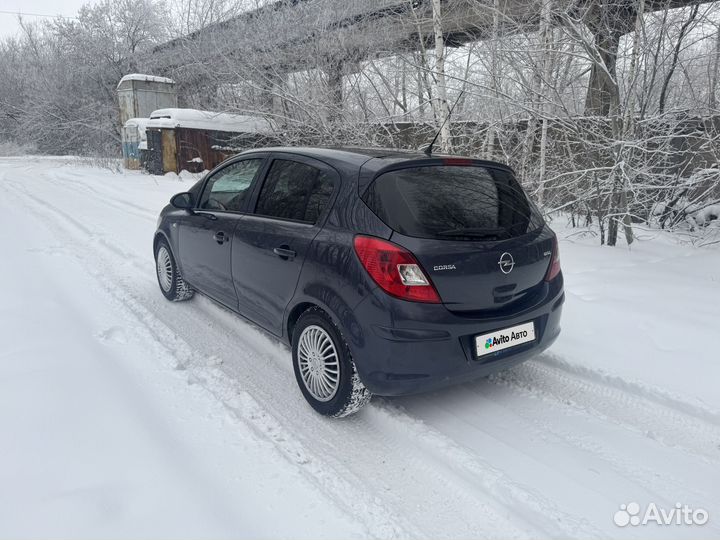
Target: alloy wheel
(318, 362)
(164, 268)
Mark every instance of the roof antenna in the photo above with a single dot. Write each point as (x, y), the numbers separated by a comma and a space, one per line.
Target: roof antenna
(428, 150)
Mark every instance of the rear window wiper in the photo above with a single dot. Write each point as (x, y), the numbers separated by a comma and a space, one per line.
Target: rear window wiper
(475, 232)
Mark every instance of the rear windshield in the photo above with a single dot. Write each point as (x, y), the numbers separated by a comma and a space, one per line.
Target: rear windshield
(453, 202)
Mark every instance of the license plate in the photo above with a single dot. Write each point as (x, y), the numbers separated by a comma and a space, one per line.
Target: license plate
(504, 339)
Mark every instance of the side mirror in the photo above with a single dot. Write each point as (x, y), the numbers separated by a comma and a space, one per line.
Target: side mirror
(183, 201)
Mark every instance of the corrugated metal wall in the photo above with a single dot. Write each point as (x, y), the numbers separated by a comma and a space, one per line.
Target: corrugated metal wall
(194, 150)
(194, 143)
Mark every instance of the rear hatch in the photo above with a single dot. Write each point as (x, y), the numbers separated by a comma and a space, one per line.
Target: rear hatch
(471, 227)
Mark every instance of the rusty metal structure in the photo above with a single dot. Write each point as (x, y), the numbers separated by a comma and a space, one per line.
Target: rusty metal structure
(191, 140)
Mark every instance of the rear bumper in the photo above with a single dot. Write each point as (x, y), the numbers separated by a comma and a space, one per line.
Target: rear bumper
(413, 347)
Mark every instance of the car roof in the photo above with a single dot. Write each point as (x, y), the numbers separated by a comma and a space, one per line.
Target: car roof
(368, 161)
(347, 156)
(339, 151)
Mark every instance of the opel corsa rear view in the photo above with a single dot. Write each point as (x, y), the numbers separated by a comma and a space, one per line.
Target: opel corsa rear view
(387, 273)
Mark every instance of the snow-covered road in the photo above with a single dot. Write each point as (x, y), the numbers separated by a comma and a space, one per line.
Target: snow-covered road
(125, 415)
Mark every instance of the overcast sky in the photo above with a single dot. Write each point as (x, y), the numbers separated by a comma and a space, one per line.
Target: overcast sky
(9, 21)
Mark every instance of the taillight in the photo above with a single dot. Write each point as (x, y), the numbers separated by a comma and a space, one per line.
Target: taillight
(395, 270)
(554, 268)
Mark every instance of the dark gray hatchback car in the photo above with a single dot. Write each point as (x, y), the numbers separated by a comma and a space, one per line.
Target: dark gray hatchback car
(386, 272)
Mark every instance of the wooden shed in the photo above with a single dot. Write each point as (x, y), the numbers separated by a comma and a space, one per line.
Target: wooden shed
(193, 140)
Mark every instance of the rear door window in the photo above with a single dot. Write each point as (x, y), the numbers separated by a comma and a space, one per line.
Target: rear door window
(461, 202)
(294, 191)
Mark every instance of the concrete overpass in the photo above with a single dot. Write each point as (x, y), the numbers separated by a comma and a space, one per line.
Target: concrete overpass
(334, 35)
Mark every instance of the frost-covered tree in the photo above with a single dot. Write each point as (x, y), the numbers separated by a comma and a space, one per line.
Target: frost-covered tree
(59, 92)
(607, 110)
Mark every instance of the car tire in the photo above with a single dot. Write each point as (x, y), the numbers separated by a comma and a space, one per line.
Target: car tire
(324, 368)
(171, 282)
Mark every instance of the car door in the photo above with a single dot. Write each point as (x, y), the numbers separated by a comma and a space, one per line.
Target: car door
(205, 235)
(271, 242)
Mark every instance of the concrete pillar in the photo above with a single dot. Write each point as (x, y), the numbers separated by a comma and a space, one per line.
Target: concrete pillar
(334, 73)
(608, 20)
(272, 91)
(601, 88)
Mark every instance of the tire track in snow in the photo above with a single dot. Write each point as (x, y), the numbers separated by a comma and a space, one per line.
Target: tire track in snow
(662, 420)
(562, 442)
(546, 515)
(656, 395)
(69, 181)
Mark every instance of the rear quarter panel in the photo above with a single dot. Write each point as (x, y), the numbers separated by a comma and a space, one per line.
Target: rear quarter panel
(332, 276)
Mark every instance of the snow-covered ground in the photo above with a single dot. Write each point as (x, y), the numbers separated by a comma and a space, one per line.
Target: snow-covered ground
(124, 415)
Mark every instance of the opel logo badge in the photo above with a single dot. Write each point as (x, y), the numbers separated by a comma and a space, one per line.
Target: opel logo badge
(506, 263)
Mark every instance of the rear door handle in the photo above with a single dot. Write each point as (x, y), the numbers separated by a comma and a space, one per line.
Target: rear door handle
(285, 253)
(220, 237)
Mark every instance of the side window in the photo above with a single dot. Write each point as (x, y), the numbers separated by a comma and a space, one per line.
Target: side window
(227, 189)
(294, 191)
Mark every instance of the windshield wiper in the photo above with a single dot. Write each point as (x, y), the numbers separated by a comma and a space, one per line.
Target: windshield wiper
(475, 232)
